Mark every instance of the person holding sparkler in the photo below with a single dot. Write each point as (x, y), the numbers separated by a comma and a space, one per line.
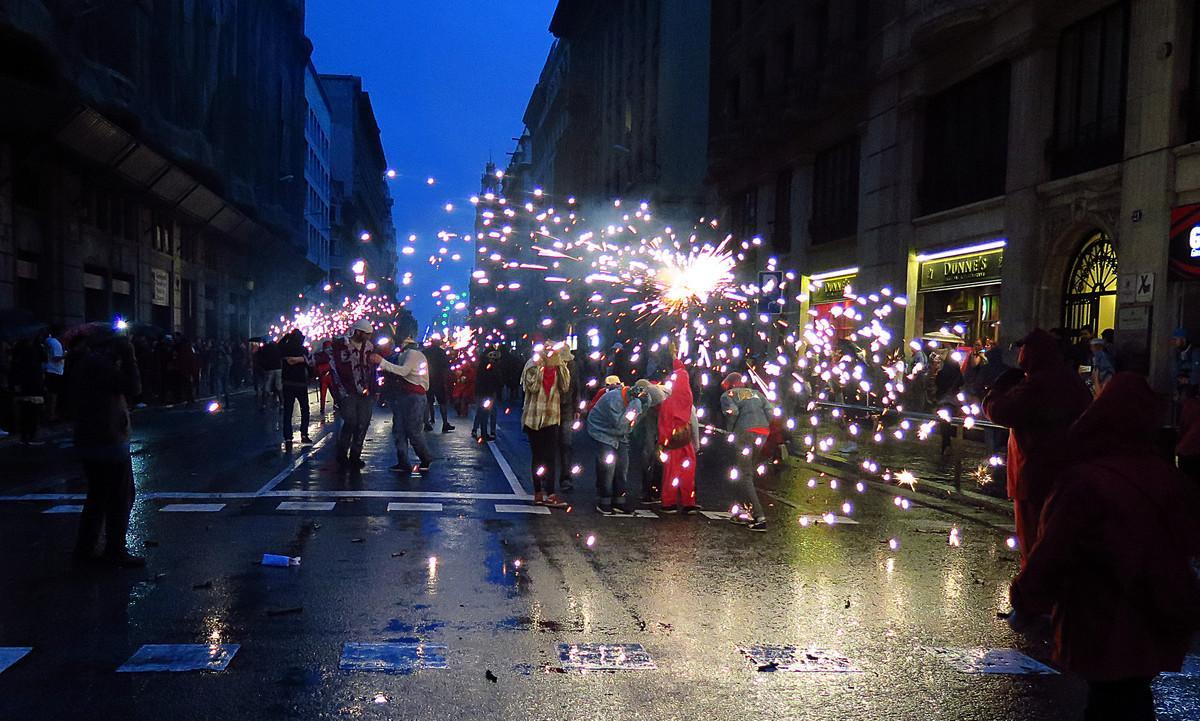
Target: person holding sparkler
(748, 417)
(677, 431)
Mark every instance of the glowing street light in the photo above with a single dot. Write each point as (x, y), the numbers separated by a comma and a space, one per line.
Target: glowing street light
(391, 174)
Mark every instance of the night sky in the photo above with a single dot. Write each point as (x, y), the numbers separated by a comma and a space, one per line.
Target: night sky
(449, 81)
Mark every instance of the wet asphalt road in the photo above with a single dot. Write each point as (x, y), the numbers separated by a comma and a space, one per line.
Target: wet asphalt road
(498, 590)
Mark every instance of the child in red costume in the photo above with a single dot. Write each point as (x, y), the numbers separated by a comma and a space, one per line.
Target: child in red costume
(676, 438)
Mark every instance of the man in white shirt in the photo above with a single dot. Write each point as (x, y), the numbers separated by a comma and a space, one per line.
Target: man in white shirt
(405, 384)
(54, 367)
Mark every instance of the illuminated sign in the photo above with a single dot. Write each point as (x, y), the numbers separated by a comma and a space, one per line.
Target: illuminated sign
(1185, 242)
(962, 271)
(832, 290)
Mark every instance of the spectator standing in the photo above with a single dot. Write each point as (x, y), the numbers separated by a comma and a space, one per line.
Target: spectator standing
(296, 365)
(186, 368)
(323, 362)
(220, 371)
(355, 386)
(609, 422)
(108, 379)
(405, 384)
(439, 375)
(55, 368)
(567, 426)
(545, 378)
(488, 384)
(1103, 368)
(1113, 561)
(1187, 360)
(29, 383)
(1038, 405)
(747, 415)
(1188, 447)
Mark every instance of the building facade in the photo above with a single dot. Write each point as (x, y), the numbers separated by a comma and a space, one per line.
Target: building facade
(361, 205)
(1008, 164)
(318, 180)
(148, 152)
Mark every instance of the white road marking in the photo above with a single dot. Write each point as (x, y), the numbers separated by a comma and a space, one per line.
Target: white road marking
(291, 468)
(306, 506)
(439, 495)
(64, 509)
(519, 508)
(193, 508)
(436, 507)
(513, 481)
(716, 515)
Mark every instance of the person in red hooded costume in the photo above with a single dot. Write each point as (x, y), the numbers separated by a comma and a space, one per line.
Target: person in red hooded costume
(676, 438)
(1113, 561)
(1038, 403)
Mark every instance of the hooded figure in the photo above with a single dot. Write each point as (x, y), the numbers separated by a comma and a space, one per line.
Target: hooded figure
(1113, 560)
(676, 438)
(1038, 408)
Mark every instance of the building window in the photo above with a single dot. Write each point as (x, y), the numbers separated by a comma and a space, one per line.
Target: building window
(162, 238)
(1089, 120)
(835, 193)
(747, 214)
(966, 141)
(781, 234)
(1090, 300)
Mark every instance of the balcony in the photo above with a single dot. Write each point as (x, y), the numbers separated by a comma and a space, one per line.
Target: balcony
(932, 22)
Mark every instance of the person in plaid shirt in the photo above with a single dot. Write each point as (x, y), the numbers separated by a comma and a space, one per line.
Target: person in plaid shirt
(545, 379)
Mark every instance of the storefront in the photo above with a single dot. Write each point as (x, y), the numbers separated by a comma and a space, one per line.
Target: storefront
(959, 289)
(832, 294)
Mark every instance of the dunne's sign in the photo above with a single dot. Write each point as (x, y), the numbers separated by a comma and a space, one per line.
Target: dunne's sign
(1185, 242)
(832, 290)
(962, 271)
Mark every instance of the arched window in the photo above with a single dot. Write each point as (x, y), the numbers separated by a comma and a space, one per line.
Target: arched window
(1090, 300)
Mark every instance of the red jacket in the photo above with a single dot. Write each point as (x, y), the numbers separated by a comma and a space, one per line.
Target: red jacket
(1189, 428)
(1112, 559)
(1039, 409)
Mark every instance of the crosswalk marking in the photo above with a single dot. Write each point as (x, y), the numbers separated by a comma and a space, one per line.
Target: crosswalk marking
(11, 654)
(519, 508)
(392, 657)
(715, 515)
(66, 508)
(193, 508)
(605, 657)
(177, 657)
(393, 507)
(511, 477)
(1007, 661)
(306, 506)
(790, 658)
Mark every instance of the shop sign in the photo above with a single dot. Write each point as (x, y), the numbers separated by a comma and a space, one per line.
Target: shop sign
(832, 290)
(1185, 242)
(962, 271)
(162, 286)
(1135, 317)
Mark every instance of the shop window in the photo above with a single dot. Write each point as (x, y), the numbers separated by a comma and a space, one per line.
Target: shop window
(1090, 300)
(835, 193)
(966, 141)
(1089, 119)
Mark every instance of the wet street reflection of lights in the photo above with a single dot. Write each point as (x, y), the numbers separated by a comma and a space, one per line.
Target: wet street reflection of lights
(431, 581)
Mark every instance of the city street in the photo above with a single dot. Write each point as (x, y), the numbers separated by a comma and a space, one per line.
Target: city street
(476, 588)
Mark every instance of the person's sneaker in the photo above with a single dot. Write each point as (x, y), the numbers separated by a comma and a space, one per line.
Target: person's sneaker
(758, 526)
(604, 510)
(691, 510)
(618, 510)
(651, 501)
(305, 441)
(539, 499)
(670, 509)
(425, 466)
(125, 560)
(400, 467)
(553, 501)
(446, 428)
(428, 427)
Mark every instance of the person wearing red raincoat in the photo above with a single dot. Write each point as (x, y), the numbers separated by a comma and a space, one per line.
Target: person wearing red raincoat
(324, 361)
(1038, 406)
(1113, 561)
(675, 437)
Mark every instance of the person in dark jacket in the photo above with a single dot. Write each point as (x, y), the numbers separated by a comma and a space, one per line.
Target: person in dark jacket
(439, 376)
(1188, 447)
(643, 442)
(108, 378)
(295, 364)
(488, 383)
(1038, 405)
(186, 368)
(29, 388)
(747, 414)
(1113, 560)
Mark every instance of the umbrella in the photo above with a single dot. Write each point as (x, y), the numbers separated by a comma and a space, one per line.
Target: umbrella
(97, 328)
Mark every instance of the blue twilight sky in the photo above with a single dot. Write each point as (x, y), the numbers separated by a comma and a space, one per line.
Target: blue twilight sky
(449, 80)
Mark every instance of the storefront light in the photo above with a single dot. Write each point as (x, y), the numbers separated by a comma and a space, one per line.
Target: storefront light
(980, 248)
(834, 273)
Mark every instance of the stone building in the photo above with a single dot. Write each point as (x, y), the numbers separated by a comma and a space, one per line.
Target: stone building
(148, 152)
(318, 129)
(1006, 163)
(361, 209)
